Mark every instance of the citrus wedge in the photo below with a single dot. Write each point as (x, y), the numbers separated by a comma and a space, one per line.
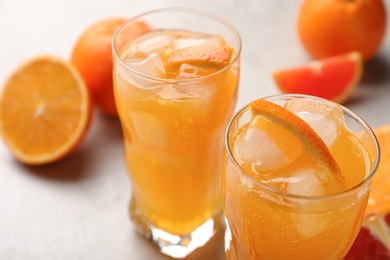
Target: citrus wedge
(203, 54)
(379, 200)
(45, 110)
(373, 240)
(299, 128)
(333, 78)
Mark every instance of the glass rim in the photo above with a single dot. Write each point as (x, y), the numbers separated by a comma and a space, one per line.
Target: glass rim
(178, 9)
(338, 195)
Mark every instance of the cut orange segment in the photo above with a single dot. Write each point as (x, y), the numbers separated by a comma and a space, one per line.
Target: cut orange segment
(45, 110)
(333, 78)
(203, 54)
(299, 128)
(379, 200)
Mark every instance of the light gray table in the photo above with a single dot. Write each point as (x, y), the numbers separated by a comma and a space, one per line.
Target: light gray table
(77, 208)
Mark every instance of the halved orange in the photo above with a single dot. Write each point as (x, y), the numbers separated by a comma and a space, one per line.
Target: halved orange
(303, 131)
(379, 200)
(333, 78)
(45, 110)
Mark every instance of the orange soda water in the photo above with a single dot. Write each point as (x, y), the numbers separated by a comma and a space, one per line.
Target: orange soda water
(174, 110)
(280, 201)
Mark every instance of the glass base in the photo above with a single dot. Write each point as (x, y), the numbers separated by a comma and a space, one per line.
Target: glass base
(174, 245)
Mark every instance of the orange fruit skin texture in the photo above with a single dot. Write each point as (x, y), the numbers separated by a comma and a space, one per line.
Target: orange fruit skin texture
(92, 56)
(333, 27)
(218, 56)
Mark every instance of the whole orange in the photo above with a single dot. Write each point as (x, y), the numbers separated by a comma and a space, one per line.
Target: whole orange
(92, 56)
(334, 27)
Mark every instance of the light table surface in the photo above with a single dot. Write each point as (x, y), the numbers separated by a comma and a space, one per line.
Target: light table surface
(77, 208)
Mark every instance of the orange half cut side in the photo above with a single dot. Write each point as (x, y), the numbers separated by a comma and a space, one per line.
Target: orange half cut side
(45, 110)
(333, 78)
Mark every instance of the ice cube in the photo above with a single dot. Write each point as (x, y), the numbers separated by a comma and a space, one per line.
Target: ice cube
(171, 91)
(149, 129)
(310, 219)
(187, 71)
(181, 43)
(151, 66)
(254, 146)
(193, 88)
(152, 44)
(325, 117)
(307, 182)
(309, 224)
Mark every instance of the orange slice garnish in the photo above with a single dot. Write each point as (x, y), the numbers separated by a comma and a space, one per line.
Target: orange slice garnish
(45, 110)
(203, 54)
(302, 131)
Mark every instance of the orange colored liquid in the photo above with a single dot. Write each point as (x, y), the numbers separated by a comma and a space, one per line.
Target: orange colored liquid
(270, 225)
(174, 134)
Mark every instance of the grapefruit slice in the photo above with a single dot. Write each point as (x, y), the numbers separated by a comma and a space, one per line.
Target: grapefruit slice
(333, 78)
(379, 200)
(45, 110)
(302, 130)
(373, 240)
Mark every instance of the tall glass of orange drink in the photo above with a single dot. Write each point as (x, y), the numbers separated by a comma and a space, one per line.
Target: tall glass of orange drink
(176, 88)
(296, 178)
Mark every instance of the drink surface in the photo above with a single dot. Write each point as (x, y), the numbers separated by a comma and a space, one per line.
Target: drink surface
(173, 118)
(268, 224)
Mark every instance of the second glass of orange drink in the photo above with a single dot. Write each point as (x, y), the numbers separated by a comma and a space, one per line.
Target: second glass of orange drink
(296, 180)
(176, 88)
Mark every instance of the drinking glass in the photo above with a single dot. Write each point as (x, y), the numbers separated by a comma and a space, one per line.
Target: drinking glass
(173, 126)
(268, 223)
